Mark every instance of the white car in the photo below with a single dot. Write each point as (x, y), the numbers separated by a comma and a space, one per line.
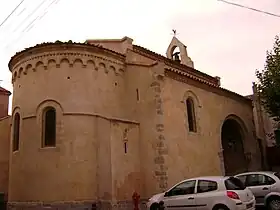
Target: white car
(265, 185)
(205, 193)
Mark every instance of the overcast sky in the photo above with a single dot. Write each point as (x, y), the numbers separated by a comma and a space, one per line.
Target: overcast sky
(222, 40)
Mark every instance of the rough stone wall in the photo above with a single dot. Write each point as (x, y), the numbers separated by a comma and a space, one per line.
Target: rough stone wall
(117, 45)
(85, 87)
(171, 152)
(269, 125)
(192, 154)
(143, 92)
(126, 171)
(86, 205)
(5, 125)
(103, 102)
(4, 105)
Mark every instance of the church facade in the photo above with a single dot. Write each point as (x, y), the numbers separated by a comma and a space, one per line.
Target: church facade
(94, 122)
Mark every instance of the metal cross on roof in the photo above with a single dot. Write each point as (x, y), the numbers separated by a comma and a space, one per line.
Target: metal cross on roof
(174, 32)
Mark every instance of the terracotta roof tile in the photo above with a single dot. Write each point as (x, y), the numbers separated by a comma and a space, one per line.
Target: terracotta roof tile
(3, 91)
(193, 73)
(177, 65)
(56, 43)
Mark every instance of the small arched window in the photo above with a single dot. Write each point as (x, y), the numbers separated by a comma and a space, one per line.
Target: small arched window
(49, 127)
(191, 115)
(16, 128)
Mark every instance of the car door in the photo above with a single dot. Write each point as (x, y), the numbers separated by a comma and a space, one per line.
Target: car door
(181, 197)
(205, 194)
(260, 185)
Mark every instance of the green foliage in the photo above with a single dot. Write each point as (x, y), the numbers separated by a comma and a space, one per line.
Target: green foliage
(269, 81)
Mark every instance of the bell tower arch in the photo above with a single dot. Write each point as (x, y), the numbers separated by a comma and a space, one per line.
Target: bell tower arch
(182, 55)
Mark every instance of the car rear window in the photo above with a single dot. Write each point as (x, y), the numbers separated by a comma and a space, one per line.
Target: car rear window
(233, 183)
(277, 174)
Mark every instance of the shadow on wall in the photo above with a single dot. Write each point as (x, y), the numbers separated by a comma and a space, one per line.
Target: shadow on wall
(3, 202)
(273, 157)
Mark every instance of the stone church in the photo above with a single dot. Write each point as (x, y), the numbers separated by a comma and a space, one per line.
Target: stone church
(94, 122)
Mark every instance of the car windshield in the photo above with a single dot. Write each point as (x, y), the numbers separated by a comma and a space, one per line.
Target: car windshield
(233, 183)
(277, 174)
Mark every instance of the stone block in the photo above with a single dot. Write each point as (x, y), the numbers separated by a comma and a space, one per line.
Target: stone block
(159, 160)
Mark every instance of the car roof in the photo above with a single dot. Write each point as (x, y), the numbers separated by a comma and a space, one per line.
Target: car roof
(257, 172)
(210, 178)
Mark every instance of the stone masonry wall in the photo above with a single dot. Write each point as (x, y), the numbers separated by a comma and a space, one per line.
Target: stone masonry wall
(161, 149)
(79, 205)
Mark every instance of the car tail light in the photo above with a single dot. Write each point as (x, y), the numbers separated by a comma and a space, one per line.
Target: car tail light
(232, 195)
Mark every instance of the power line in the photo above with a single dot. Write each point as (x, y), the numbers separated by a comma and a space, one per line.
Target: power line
(33, 22)
(18, 27)
(39, 17)
(28, 16)
(9, 27)
(21, 11)
(250, 8)
(11, 13)
(3, 81)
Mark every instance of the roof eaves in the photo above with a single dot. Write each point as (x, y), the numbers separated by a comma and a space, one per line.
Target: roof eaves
(4, 91)
(46, 44)
(177, 65)
(186, 68)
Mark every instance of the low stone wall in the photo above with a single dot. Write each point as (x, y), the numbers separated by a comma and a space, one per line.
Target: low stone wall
(81, 205)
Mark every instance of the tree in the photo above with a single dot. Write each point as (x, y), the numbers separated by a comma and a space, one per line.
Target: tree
(269, 81)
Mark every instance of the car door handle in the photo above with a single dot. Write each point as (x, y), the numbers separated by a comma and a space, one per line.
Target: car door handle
(265, 188)
(190, 198)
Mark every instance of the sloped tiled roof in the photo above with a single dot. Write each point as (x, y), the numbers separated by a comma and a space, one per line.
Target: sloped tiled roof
(59, 43)
(3, 91)
(192, 73)
(195, 74)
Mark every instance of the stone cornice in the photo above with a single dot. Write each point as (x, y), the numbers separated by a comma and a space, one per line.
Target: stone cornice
(144, 64)
(188, 75)
(207, 86)
(87, 59)
(113, 119)
(173, 64)
(4, 118)
(52, 48)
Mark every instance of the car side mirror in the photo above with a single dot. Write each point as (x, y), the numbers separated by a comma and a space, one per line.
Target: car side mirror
(166, 194)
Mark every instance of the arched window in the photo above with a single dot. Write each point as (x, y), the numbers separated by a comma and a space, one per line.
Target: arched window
(16, 128)
(49, 127)
(191, 115)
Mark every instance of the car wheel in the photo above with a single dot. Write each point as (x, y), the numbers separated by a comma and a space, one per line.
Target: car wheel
(220, 207)
(274, 204)
(154, 206)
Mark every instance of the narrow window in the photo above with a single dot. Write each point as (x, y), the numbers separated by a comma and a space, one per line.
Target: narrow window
(49, 127)
(16, 132)
(191, 115)
(125, 147)
(137, 94)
